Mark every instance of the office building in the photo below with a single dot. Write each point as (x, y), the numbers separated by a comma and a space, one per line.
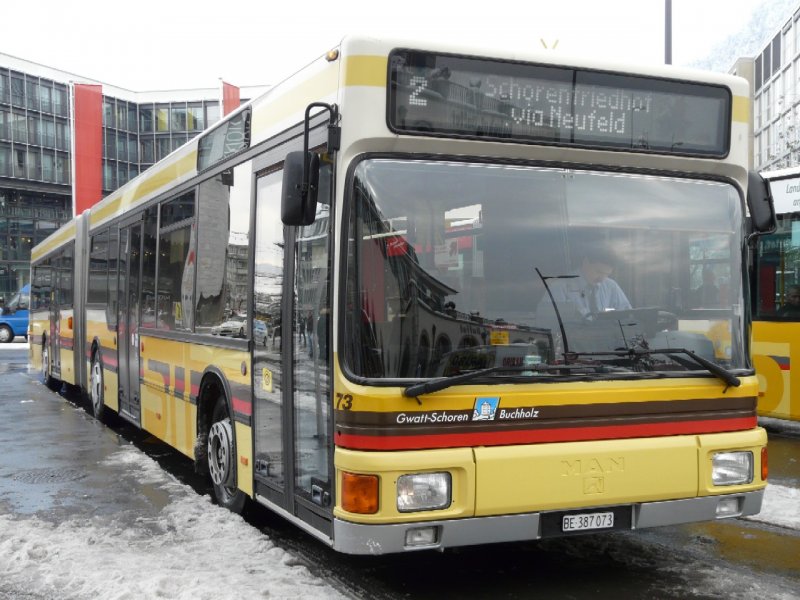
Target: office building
(38, 124)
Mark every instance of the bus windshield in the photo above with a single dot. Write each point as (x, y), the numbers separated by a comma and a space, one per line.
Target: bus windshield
(456, 266)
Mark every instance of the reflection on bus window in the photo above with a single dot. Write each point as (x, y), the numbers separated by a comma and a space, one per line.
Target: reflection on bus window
(223, 254)
(453, 273)
(312, 356)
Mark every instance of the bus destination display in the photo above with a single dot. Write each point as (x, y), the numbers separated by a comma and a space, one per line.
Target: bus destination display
(450, 95)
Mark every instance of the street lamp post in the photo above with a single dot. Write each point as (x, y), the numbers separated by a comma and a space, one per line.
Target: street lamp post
(667, 32)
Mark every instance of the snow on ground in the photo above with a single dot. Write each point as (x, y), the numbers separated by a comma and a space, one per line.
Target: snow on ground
(781, 507)
(191, 549)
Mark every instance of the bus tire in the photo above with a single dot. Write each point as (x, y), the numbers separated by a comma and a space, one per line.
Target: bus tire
(50, 381)
(222, 459)
(96, 387)
(6, 334)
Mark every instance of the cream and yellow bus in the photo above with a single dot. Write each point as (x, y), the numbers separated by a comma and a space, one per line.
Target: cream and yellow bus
(776, 302)
(426, 296)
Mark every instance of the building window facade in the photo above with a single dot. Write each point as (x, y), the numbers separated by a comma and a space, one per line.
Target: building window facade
(36, 155)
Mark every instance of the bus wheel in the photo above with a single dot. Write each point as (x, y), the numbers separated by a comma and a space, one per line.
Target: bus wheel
(96, 389)
(47, 379)
(6, 335)
(222, 459)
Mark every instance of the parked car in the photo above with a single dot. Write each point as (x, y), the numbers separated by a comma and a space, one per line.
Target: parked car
(260, 332)
(234, 327)
(14, 316)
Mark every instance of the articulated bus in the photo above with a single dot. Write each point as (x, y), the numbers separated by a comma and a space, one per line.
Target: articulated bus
(776, 302)
(374, 300)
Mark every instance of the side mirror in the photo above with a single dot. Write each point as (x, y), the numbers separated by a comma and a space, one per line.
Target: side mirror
(760, 205)
(300, 185)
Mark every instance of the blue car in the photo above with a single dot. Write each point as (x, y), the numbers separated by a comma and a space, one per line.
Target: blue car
(14, 316)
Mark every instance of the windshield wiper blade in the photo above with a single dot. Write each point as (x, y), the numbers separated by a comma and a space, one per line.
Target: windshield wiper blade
(434, 385)
(441, 383)
(712, 367)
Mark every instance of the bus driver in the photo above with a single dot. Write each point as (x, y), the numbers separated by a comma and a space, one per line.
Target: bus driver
(590, 291)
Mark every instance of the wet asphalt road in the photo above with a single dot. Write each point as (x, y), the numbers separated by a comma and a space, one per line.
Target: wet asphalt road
(52, 466)
(54, 452)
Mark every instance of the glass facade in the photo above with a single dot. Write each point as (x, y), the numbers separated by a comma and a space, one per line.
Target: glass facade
(26, 218)
(135, 136)
(776, 99)
(35, 170)
(36, 155)
(34, 128)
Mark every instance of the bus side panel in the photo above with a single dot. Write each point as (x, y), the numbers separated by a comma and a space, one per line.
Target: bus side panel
(171, 375)
(100, 334)
(39, 325)
(169, 406)
(774, 349)
(111, 387)
(66, 346)
(244, 446)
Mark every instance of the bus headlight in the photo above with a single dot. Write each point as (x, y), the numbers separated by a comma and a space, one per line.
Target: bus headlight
(423, 491)
(731, 468)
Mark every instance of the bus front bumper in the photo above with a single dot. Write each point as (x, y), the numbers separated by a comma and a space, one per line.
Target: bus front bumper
(356, 538)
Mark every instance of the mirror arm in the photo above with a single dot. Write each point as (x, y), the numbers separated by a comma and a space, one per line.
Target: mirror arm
(334, 139)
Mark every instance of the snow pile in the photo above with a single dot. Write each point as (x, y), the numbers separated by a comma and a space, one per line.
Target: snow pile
(781, 507)
(191, 549)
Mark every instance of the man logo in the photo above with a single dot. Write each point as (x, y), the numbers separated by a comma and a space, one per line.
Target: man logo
(594, 485)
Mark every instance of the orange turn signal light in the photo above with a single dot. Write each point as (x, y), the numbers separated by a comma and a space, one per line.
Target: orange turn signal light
(359, 493)
(764, 464)
(69, 322)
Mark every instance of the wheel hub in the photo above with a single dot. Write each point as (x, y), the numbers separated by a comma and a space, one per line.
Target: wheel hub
(220, 453)
(97, 386)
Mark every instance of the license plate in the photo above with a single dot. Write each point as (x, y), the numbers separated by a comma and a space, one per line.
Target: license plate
(585, 521)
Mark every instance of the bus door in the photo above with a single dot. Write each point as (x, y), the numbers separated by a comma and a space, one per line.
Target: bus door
(56, 298)
(61, 313)
(291, 369)
(130, 264)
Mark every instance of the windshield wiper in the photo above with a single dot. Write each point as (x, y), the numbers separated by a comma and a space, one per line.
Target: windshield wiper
(634, 353)
(555, 308)
(712, 367)
(441, 383)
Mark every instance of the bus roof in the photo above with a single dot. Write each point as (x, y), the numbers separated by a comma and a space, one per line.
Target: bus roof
(358, 63)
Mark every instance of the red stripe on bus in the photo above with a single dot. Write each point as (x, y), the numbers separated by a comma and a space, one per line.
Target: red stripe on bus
(243, 407)
(535, 436)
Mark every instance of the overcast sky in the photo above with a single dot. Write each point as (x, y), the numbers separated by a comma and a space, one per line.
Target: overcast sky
(166, 44)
